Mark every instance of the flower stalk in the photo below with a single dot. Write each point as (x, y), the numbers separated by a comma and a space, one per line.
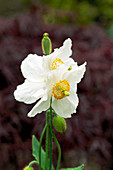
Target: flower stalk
(41, 138)
(47, 48)
(47, 141)
(59, 151)
(50, 163)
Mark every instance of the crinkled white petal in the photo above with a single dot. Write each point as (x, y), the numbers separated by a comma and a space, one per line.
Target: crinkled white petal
(65, 51)
(73, 87)
(29, 92)
(71, 62)
(73, 98)
(76, 74)
(57, 74)
(41, 105)
(32, 68)
(66, 106)
(62, 53)
(54, 77)
(47, 61)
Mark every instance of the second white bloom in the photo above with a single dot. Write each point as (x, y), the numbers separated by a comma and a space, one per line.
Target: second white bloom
(62, 86)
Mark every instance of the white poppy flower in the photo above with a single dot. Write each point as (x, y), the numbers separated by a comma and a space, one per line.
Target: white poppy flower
(53, 75)
(35, 69)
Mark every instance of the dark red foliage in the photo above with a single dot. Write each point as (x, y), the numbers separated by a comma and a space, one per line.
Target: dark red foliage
(90, 131)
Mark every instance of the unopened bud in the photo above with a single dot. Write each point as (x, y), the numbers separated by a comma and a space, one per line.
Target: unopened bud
(59, 124)
(28, 168)
(46, 44)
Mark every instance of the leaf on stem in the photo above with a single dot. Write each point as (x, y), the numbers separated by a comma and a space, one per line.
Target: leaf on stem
(77, 168)
(35, 151)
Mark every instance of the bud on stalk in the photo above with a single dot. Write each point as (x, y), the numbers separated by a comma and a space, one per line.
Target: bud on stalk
(59, 124)
(46, 44)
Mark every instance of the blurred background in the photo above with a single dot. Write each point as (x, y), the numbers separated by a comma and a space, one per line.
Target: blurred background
(89, 23)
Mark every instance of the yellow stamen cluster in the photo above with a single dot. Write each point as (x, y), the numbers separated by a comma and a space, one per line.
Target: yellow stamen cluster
(59, 89)
(56, 63)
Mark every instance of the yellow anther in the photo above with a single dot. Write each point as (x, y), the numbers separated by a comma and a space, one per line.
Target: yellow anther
(56, 63)
(66, 93)
(70, 68)
(60, 88)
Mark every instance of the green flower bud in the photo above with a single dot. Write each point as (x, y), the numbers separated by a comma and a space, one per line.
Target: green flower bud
(59, 124)
(46, 44)
(28, 168)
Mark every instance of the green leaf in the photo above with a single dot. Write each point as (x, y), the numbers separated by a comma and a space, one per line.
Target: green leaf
(35, 152)
(77, 168)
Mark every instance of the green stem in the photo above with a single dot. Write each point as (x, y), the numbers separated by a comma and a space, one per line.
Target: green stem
(50, 163)
(59, 151)
(33, 162)
(54, 112)
(41, 138)
(47, 142)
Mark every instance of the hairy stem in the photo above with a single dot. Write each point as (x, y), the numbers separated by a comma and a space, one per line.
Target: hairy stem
(50, 163)
(47, 142)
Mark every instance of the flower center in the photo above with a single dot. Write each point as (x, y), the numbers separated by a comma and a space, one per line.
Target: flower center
(56, 63)
(61, 89)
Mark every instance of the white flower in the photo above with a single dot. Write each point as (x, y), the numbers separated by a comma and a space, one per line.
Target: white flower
(54, 75)
(58, 82)
(35, 68)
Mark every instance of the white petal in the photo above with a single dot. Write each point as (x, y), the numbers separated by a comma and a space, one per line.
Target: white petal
(65, 51)
(66, 106)
(42, 105)
(29, 92)
(71, 62)
(76, 74)
(47, 61)
(73, 98)
(55, 76)
(73, 87)
(32, 68)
